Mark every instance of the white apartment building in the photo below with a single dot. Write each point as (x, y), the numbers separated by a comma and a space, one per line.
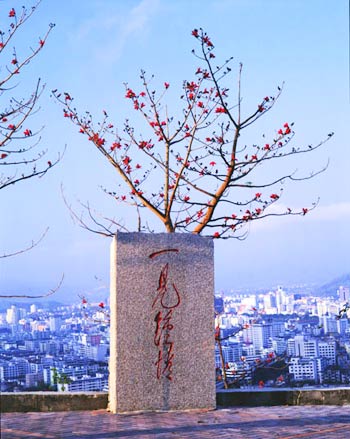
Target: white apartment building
(84, 384)
(306, 369)
(327, 349)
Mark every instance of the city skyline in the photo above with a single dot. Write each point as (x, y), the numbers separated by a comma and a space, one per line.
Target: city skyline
(277, 339)
(94, 49)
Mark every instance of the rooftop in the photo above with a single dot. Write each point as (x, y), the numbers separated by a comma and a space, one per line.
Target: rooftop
(283, 422)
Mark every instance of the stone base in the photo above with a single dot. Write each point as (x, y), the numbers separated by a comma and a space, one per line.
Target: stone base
(162, 325)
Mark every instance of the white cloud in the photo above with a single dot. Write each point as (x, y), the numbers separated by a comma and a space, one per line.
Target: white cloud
(118, 29)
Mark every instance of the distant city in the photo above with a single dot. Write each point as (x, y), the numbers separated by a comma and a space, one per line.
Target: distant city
(279, 338)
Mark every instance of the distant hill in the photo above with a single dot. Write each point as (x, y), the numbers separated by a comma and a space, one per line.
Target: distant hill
(330, 289)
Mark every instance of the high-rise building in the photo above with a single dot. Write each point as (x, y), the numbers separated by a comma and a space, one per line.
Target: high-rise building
(261, 334)
(55, 323)
(330, 324)
(12, 315)
(344, 294)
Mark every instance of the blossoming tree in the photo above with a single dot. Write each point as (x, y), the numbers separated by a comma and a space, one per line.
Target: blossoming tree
(208, 178)
(19, 158)
(18, 139)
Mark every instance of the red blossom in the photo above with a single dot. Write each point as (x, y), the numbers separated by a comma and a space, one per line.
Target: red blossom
(191, 96)
(123, 197)
(129, 94)
(101, 305)
(254, 157)
(27, 132)
(258, 211)
(220, 110)
(186, 198)
(199, 70)
(200, 104)
(143, 144)
(99, 141)
(4, 119)
(267, 147)
(3, 155)
(274, 196)
(305, 210)
(126, 160)
(216, 235)
(11, 127)
(212, 163)
(138, 166)
(207, 41)
(195, 33)
(211, 55)
(14, 61)
(261, 108)
(280, 132)
(191, 86)
(116, 145)
(258, 195)
(41, 43)
(49, 163)
(233, 216)
(266, 98)
(67, 97)
(187, 220)
(287, 131)
(84, 301)
(12, 13)
(166, 85)
(142, 94)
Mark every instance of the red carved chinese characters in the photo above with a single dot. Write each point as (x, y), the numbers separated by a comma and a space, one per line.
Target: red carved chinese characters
(167, 299)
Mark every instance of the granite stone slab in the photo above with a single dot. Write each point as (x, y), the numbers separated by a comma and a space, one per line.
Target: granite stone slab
(162, 326)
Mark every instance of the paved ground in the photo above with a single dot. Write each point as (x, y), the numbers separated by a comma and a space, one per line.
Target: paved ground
(306, 422)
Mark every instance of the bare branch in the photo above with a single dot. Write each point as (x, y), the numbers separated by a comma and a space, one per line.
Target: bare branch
(26, 296)
(26, 249)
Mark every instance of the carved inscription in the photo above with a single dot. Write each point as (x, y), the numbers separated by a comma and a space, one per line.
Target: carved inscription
(167, 299)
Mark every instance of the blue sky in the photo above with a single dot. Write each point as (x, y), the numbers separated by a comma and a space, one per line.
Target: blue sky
(97, 45)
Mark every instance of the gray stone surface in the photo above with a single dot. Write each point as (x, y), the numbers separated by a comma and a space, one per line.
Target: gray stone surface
(162, 326)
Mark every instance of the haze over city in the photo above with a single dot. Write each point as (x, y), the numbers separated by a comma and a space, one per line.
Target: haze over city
(97, 46)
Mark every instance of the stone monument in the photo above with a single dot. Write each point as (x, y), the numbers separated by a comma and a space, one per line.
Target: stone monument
(162, 322)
